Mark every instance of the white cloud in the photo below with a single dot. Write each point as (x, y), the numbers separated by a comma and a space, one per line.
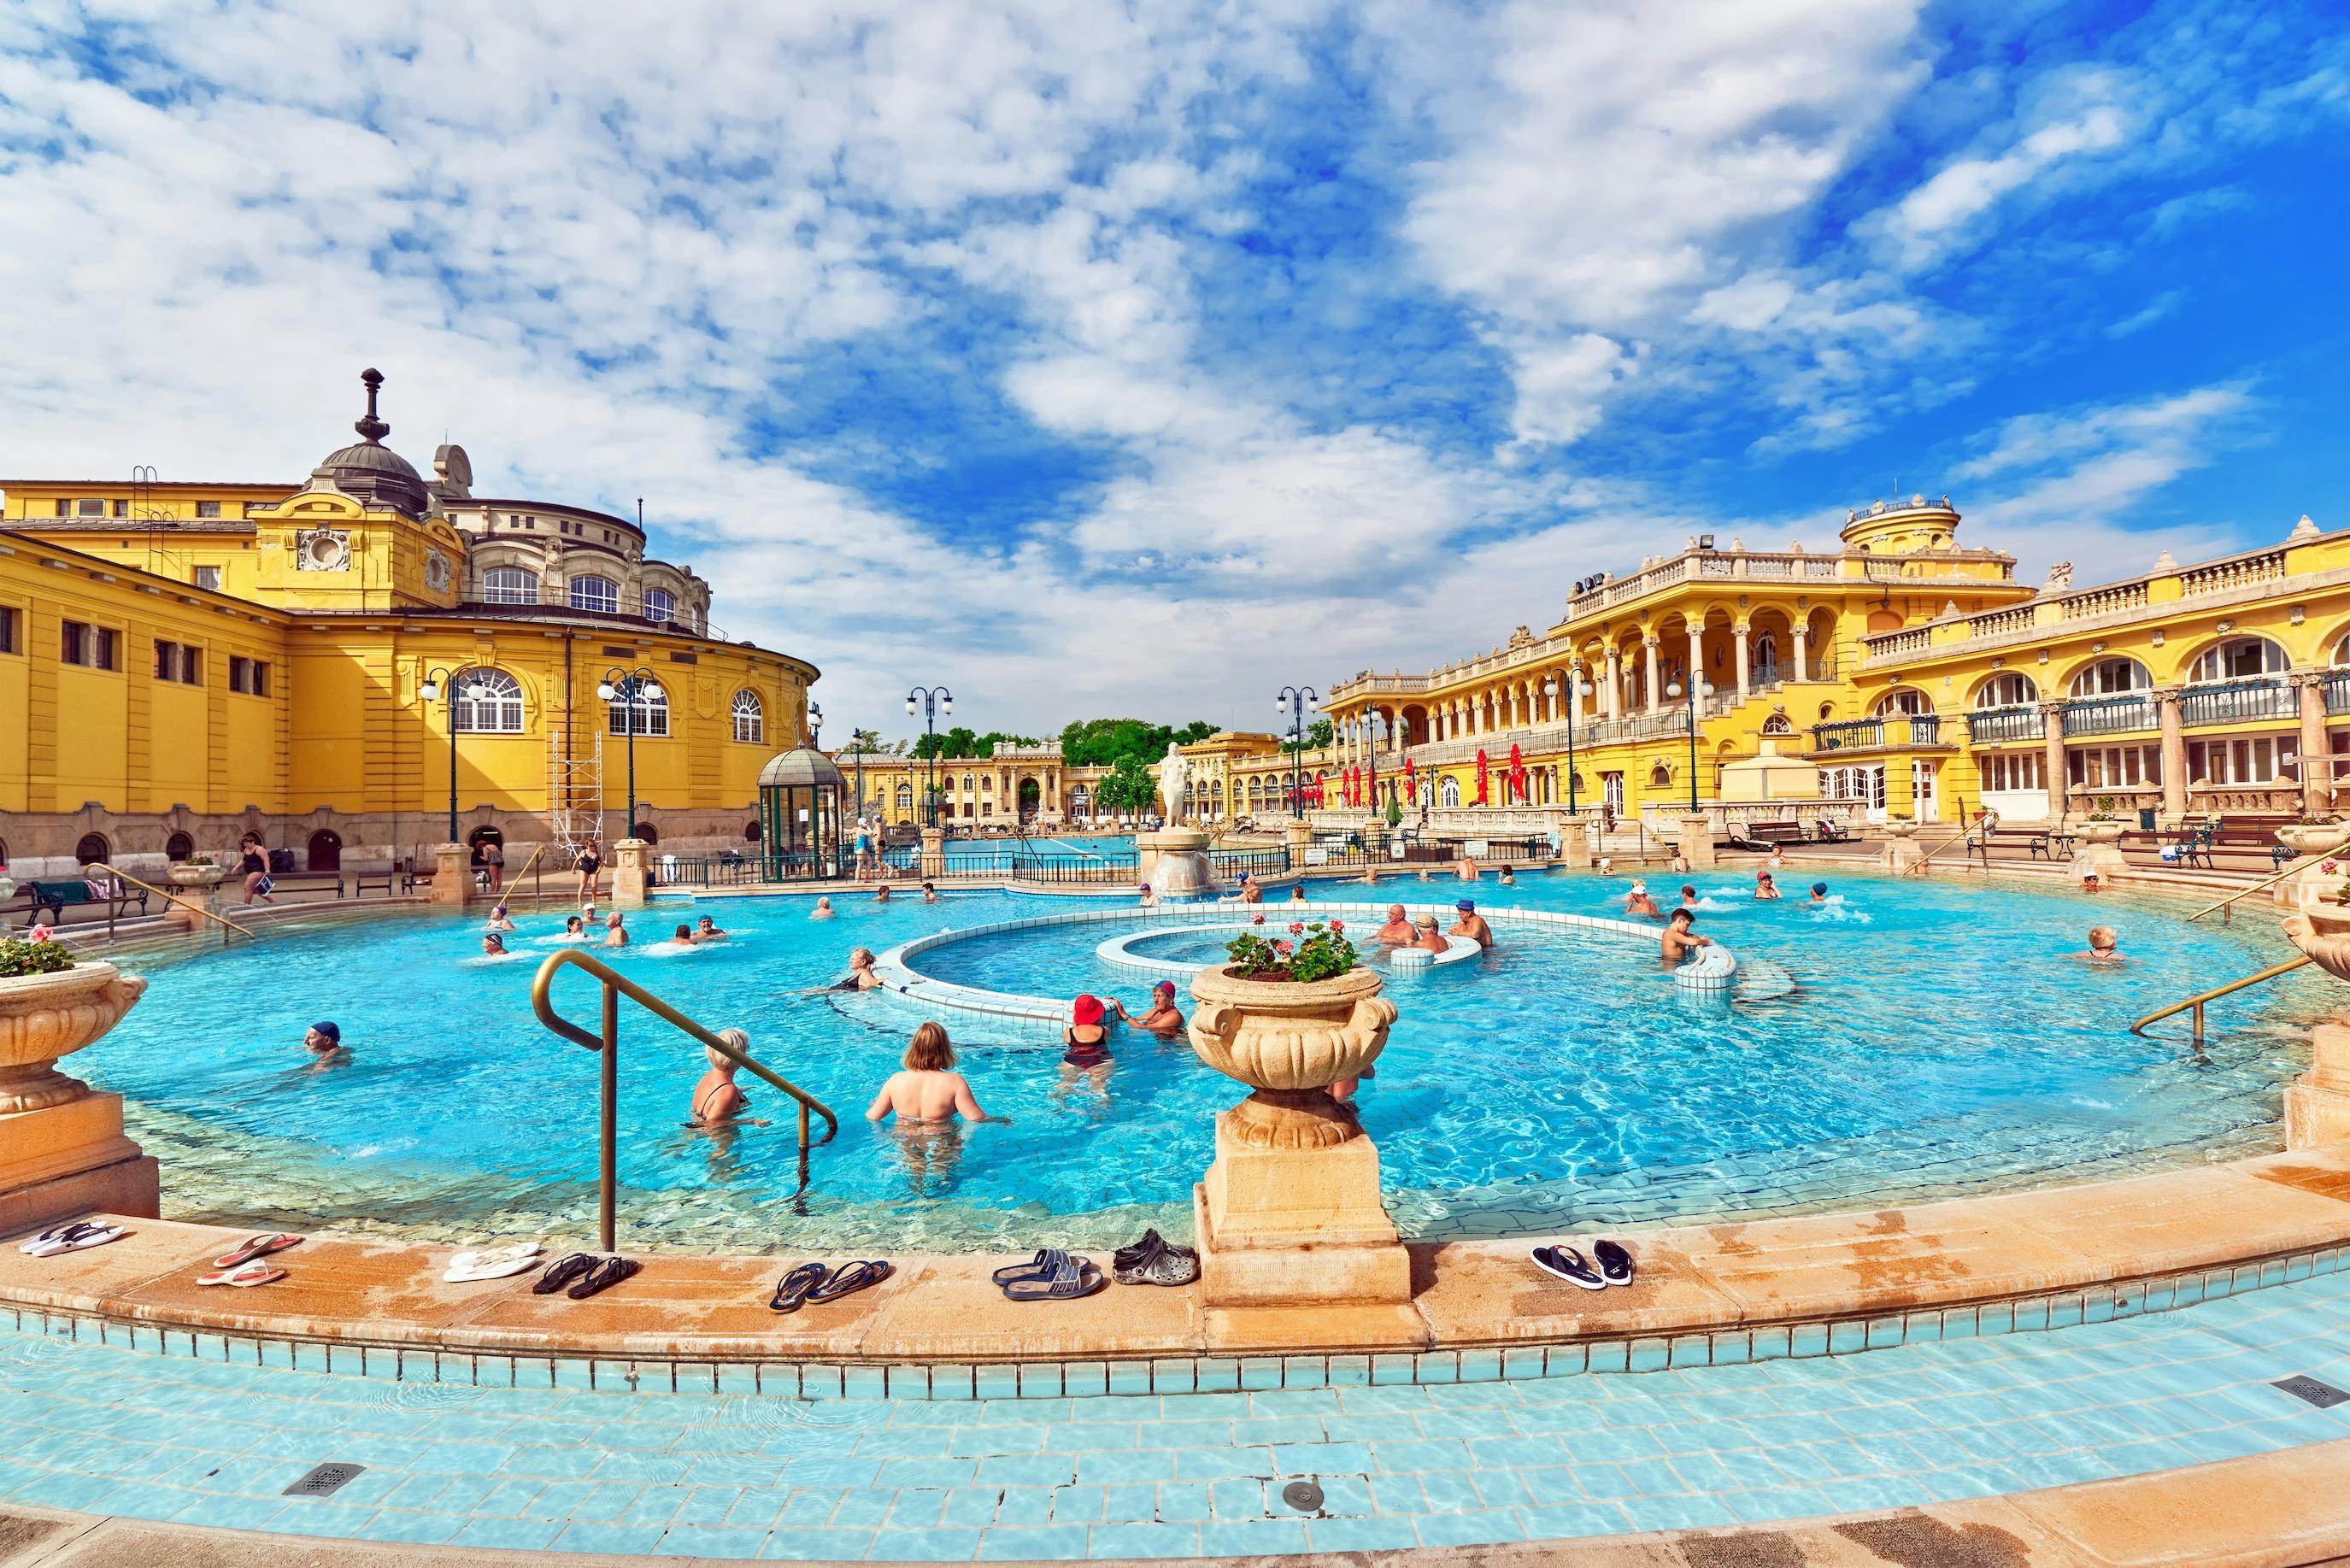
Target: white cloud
(2165, 304)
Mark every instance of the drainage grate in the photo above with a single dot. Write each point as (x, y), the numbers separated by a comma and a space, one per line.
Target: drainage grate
(322, 1481)
(1304, 1496)
(2324, 1396)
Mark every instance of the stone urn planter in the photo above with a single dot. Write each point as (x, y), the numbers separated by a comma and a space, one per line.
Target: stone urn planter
(1901, 828)
(2323, 931)
(2315, 837)
(1289, 1042)
(45, 1017)
(187, 874)
(2101, 832)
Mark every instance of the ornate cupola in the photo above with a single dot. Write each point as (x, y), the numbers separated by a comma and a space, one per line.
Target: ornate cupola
(370, 471)
(1902, 528)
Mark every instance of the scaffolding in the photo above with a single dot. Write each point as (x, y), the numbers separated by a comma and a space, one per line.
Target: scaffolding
(575, 789)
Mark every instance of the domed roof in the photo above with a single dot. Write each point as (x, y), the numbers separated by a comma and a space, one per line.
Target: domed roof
(370, 471)
(798, 769)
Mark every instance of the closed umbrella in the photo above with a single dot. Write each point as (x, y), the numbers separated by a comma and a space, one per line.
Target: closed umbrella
(1482, 763)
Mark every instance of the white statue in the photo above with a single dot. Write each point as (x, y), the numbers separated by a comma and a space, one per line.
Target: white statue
(1173, 774)
(2060, 578)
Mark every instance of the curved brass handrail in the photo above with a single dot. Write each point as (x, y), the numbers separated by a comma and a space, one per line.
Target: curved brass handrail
(169, 898)
(2303, 863)
(607, 1045)
(2196, 1001)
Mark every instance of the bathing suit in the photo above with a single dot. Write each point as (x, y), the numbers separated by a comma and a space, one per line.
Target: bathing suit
(252, 863)
(699, 1116)
(1085, 1053)
(589, 865)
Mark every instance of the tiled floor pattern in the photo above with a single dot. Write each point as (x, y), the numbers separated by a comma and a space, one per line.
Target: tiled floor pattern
(120, 1432)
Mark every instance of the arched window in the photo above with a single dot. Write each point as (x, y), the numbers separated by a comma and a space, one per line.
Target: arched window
(1661, 776)
(750, 718)
(645, 831)
(652, 715)
(509, 586)
(2012, 689)
(1449, 792)
(905, 797)
(660, 605)
(594, 594)
(488, 702)
(176, 848)
(1778, 724)
(2239, 659)
(92, 849)
(2109, 677)
(1904, 702)
(751, 833)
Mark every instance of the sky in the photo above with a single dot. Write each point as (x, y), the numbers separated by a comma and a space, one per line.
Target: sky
(1142, 358)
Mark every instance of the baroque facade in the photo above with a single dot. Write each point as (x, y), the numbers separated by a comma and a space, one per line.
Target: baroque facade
(1012, 786)
(329, 662)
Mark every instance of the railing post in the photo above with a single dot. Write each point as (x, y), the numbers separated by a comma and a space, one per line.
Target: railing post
(607, 1180)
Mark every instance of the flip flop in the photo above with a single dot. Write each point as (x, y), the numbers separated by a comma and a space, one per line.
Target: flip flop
(255, 1247)
(850, 1278)
(48, 1243)
(91, 1238)
(1568, 1265)
(244, 1277)
(792, 1289)
(498, 1263)
(561, 1272)
(1076, 1277)
(1040, 1266)
(1615, 1263)
(603, 1277)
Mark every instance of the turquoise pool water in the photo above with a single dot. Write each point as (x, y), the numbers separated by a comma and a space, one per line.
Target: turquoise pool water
(1938, 1041)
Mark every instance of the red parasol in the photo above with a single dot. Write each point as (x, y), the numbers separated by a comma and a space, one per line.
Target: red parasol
(1482, 763)
(1517, 773)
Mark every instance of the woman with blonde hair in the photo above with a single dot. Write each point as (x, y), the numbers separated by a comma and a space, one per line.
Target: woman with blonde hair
(928, 1090)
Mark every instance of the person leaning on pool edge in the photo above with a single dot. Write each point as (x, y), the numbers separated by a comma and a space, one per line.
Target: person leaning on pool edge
(1676, 942)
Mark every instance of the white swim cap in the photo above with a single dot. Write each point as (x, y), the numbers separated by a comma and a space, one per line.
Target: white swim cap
(1639, 887)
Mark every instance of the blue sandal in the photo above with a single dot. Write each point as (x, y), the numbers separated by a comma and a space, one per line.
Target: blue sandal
(1039, 1267)
(850, 1278)
(792, 1289)
(1071, 1279)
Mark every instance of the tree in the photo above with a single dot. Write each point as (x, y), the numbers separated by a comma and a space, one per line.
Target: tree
(1129, 790)
(1317, 734)
(1101, 742)
(1192, 734)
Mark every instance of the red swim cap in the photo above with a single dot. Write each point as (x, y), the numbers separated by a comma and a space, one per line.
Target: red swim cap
(1088, 1010)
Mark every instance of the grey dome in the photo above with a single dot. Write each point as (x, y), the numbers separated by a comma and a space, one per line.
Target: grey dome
(370, 471)
(798, 769)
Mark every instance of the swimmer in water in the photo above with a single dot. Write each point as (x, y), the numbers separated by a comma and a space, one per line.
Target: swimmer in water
(930, 894)
(709, 931)
(1148, 896)
(928, 1090)
(1637, 902)
(1163, 1018)
(1764, 889)
(823, 910)
(616, 934)
(1774, 860)
(498, 921)
(1688, 896)
(1250, 892)
(1677, 942)
(1819, 892)
(683, 936)
(860, 972)
(573, 926)
(493, 944)
(1428, 939)
(881, 894)
(323, 1039)
(1398, 931)
(718, 1100)
(1509, 877)
(1298, 892)
(2091, 883)
(1086, 1041)
(1681, 866)
(1471, 924)
(2102, 948)
(1606, 866)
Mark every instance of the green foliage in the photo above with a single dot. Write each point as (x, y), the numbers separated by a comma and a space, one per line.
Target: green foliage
(1317, 734)
(33, 958)
(1129, 790)
(1101, 742)
(962, 741)
(1310, 953)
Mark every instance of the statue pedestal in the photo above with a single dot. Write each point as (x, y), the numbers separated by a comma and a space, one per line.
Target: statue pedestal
(1174, 860)
(1901, 855)
(62, 1149)
(1575, 843)
(1697, 842)
(2102, 858)
(934, 853)
(452, 880)
(2317, 1103)
(1297, 837)
(631, 873)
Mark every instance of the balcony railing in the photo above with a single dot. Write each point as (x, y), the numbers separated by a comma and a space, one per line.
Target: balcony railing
(1868, 734)
(2237, 702)
(1993, 724)
(2109, 716)
(2337, 691)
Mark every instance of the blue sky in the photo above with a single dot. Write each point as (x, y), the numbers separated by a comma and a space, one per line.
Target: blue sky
(1143, 359)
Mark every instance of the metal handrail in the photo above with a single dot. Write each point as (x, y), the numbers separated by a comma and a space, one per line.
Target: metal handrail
(1964, 834)
(607, 1046)
(167, 898)
(2196, 1001)
(2269, 881)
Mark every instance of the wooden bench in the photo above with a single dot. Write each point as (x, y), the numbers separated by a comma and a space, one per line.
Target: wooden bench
(391, 878)
(55, 897)
(1745, 834)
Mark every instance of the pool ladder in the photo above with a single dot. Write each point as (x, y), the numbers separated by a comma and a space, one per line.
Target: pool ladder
(607, 1045)
(2195, 1004)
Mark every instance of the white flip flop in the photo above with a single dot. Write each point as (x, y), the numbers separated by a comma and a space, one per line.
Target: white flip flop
(494, 1263)
(56, 1237)
(91, 1237)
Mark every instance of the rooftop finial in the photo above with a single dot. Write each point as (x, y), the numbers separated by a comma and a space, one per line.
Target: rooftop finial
(372, 428)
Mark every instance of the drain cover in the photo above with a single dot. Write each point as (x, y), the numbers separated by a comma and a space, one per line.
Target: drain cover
(1304, 1496)
(2324, 1396)
(322, 1481)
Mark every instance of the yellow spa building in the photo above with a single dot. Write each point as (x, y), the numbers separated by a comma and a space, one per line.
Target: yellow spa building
(1014, 785)
(183, 662)
(1914, 674)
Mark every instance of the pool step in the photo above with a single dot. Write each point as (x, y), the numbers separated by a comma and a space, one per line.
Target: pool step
(1760, 980)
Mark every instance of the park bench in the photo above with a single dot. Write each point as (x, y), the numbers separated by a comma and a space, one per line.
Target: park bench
(57, 897)
(1746, 834)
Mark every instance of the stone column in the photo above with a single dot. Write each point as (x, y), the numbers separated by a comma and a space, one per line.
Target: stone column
(1697, 663)
(452, 880)
(934, 852)
(631, 872)
(2052, 733)
(2316, 761)
(1802, 671)
(2174, 754)
(1697, 841)
(1743, 681)
(1655, 696)
(1614, 689)
(1558, 679)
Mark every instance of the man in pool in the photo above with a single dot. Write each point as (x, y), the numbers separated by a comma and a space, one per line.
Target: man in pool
(928, 1090)
(2101, 946)
(708, 931)
(1509, 877)
(323, 1039)
(1466, 868)
(930, 894)
(1250, 892)
(1427, 937)
(1298, 892)
(1819, 892)
(493, 945)
(823, 910)
(1398, 931)
(1677, 941)
(1637, 902)
(616, 932)
(1764, 889)
(1471, 924)
(1688, 896)
(881, 894)
(683, 936)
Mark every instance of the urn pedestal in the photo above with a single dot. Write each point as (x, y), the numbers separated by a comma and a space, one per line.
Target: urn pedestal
(1901, 851)
(1697, 841)
(1295, 1245)
(62, 1148)
(198, 887)
(631, 873)
(453, 878)
(2100, 849)
(934, 853)
(2317, 1103)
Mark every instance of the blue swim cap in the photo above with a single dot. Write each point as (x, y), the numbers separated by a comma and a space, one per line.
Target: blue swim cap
(1819, 886)
(331, 1031)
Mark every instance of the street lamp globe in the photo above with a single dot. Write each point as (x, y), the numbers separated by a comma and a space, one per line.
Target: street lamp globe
(650, 691)
(910, 704)
(430, 691)
(946, 706)
(604, 690)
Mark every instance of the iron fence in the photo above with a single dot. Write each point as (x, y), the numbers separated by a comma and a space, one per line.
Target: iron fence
(1228, 865)
(2004, 724)
(2236, 702)
(2337, 691)
(2109, 716)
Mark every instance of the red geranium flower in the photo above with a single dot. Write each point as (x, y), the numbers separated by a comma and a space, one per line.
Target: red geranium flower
(1297, 928)
(1337, 926)
(1258, 921)
(1281, 948)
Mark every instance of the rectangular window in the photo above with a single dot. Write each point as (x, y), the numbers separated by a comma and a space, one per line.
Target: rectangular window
(250, 676)
(208, 577)
(2013, 771)
(2243, 759)
(2114, 767)
(207, 508)
(92, 646)
(178, 661)
(8, 631)
(121, 508)
(64, 508)
(91, 507)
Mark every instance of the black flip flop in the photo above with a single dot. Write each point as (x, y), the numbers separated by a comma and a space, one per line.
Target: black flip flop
(850, 1278)
(561, 1272)
(792, 1289)
(1568, 1265)
(606, 1274)
(1040, 1266)
(1615, 1263)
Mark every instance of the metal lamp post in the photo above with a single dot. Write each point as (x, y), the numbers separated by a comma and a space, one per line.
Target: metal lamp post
(628, 687)
(934, 701)
(429, 691)
(1294, 699)
(1577, 689)
(1698, 687)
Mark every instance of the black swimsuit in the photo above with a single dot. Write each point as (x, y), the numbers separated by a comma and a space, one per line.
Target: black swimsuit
(1085, 1053)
